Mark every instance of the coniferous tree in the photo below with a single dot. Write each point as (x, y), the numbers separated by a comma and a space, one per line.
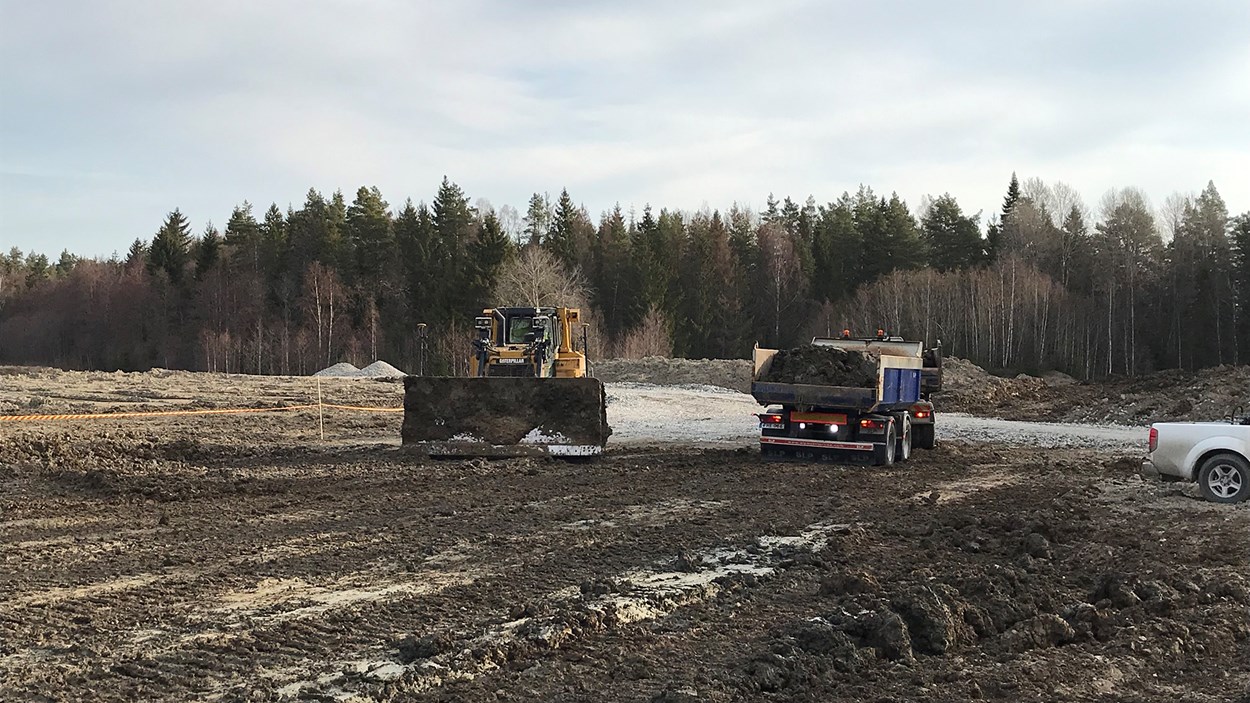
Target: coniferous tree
(243, 238)
(618, 289)
(371, 238)
(835, 252)
(171, 247)
(453, 223)
(488, 252)
(996, 229)
(561, 241)
(953, 239)
(537, 220)
(208, 252)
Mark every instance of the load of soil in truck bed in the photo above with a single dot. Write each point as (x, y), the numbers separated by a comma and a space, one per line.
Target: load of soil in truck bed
(822, 366)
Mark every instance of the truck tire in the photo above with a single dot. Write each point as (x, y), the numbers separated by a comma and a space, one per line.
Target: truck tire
(905, 440)
(1225, 478)
(883, 454)
(923, 436)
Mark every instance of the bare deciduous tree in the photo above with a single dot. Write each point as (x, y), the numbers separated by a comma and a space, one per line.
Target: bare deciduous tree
(536, 278)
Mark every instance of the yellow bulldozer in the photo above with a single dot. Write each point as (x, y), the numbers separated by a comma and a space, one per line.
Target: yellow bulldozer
(527, 342)
(528, 392)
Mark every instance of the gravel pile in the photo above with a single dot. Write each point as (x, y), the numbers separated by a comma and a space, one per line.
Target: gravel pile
(381, 369)
(339, 370)
(378, 369)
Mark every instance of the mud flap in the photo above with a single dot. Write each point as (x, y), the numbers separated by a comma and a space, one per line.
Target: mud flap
(492, 416)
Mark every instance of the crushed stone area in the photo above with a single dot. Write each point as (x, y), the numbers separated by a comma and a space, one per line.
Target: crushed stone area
(733, 374)
(183, 562)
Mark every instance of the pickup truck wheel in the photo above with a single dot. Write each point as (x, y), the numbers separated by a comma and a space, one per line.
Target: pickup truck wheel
(883, 454)
(923, 436)
(1225, 478)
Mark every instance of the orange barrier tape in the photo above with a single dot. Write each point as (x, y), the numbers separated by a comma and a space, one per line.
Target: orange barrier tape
(166, 413)
(362, 408)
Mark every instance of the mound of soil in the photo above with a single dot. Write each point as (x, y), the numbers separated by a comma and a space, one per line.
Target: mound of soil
(505, 411)
(822, 366)
(1164, 396)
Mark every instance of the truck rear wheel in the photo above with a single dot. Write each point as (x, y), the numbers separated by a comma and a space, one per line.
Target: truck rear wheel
(1225, 478)
(883, 454)
(905, 440)
(923, 436)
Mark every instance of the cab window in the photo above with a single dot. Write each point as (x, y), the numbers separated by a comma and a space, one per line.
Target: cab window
(518, 328)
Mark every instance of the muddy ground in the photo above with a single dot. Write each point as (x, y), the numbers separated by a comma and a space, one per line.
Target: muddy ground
(234, 557)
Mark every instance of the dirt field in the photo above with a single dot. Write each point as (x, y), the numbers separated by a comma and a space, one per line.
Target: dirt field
(241, 557)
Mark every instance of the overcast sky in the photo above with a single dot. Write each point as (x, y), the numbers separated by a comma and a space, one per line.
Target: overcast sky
(114, 113)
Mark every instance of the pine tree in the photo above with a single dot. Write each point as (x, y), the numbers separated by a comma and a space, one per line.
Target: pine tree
(995, 233)
(1202, 295)
(418, 249)
(835, 252)
(617, 292)
(954, 240)
(242, 238)
(171, 247)
(453, 222)
(370, 236)
(488, 252)
(65, 264)
(137, 253)
(537, 220)
(208, 251)
(561, 241)
(907, 250)
(1075, 252)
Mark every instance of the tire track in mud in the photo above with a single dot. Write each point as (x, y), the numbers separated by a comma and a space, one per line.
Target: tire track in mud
(284, 586)
(527, 547)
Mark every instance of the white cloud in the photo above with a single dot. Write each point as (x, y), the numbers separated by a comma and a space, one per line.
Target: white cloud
(126, 110)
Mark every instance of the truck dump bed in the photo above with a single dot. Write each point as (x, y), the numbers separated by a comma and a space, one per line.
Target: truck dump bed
(898, 382)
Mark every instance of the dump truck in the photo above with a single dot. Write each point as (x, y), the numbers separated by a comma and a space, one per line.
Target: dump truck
(879, 420)
(528, 392)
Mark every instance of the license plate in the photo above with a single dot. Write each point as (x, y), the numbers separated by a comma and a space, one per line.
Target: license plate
(772, 425)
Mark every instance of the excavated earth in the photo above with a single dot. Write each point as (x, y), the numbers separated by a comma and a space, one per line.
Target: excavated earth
(823, 366)
(504, 410)
(243, 557)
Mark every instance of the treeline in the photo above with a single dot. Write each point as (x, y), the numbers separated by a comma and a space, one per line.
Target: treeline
(1045, 284)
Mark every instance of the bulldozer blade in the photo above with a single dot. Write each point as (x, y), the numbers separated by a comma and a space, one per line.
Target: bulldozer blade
(503, 416)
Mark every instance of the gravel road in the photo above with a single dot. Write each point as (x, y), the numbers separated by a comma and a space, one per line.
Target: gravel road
(646, 414)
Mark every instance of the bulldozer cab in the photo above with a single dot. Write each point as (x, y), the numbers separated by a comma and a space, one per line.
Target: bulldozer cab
(523, 341)
(522, 326)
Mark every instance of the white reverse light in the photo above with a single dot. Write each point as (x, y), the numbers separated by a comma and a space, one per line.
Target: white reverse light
(833, 429)
(802, 425)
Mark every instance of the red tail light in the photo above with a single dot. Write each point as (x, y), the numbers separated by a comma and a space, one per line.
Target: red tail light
(770, 418)
(1154, 439)
(872, 424)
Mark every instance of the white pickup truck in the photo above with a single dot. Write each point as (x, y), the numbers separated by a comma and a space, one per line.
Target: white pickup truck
(1215, 454)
